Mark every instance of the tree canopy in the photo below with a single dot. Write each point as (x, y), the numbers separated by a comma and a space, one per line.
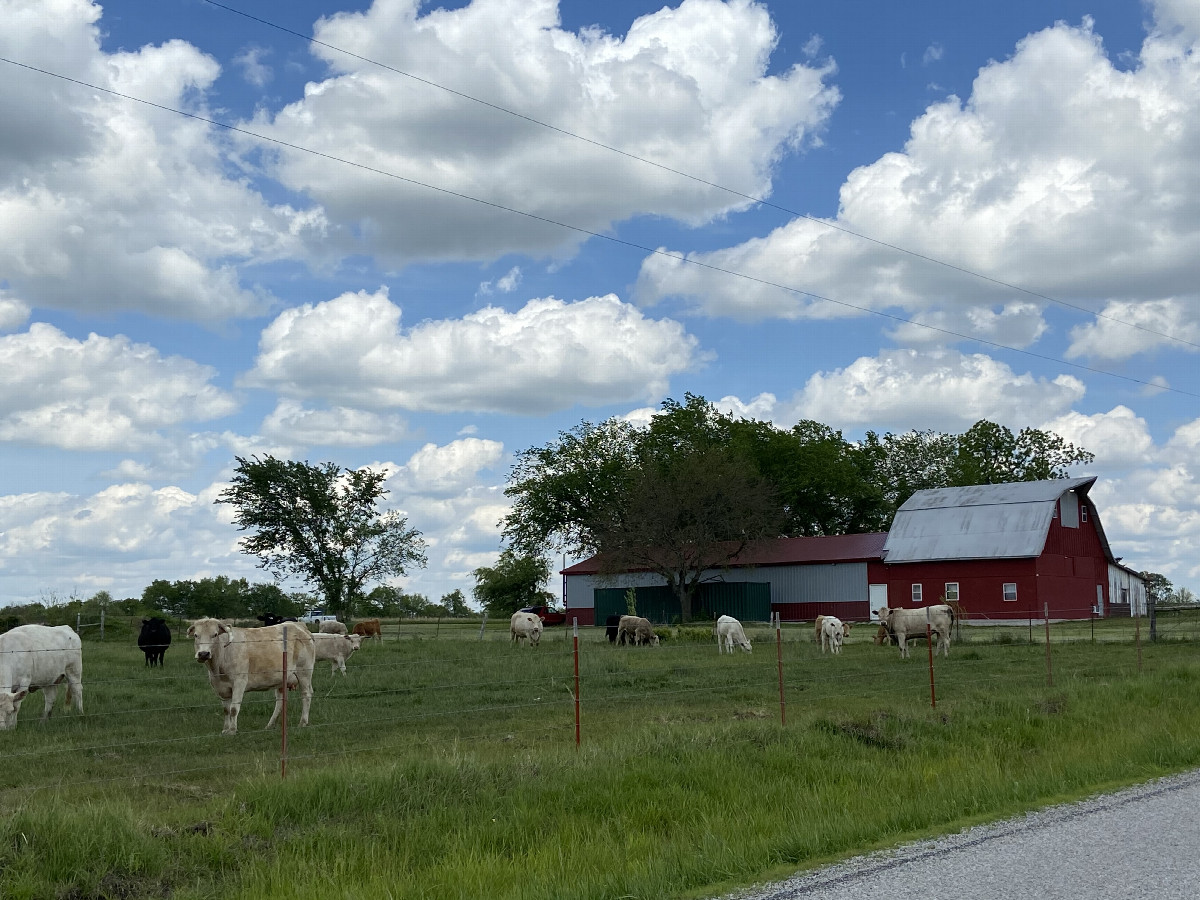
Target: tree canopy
(322, 524)
(516, 580)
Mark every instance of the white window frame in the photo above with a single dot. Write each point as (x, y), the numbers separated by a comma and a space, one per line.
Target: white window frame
(1007, 585)
(951, 592)
(916, 594)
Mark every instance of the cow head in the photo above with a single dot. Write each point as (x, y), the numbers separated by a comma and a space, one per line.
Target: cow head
(206, 633)
(9, 704)
(883, 612)
(355, 641)
(745, 645)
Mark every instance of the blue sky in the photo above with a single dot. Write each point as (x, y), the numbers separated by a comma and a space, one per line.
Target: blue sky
(1017, 178)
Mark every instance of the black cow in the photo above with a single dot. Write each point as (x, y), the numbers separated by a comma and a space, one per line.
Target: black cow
(154, 640)
(610, 628)
(273, 619)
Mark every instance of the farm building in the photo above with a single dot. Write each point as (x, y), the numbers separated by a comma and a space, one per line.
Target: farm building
(1003, 551)
(1007, 551)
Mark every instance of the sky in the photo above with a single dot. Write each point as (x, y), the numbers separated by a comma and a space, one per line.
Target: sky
(425, 237)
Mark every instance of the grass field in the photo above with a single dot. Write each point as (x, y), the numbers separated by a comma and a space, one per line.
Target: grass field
(446, 766)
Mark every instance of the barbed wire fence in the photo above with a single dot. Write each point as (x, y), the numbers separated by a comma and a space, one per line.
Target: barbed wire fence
(590, 679)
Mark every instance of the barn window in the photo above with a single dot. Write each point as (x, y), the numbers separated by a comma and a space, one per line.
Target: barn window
(1083, 512)
(916, 595)
(1010, 592)
(951, 591)
(1125, 596)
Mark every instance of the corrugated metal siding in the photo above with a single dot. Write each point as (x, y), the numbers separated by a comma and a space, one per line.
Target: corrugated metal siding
(1135, 591)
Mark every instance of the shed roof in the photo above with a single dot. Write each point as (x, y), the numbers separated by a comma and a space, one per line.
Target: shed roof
(783, 552)
(986, 521)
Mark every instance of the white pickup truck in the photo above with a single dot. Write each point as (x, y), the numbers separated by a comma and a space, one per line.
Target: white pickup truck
(316, 617)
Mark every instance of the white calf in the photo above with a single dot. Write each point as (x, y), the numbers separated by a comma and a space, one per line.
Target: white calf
(39, 657)
(525, 626)
(729, 633)
(833, 632)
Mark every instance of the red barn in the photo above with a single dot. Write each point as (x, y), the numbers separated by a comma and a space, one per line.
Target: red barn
(1006, 551)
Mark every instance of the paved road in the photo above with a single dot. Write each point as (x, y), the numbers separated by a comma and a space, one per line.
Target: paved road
(1143, 842)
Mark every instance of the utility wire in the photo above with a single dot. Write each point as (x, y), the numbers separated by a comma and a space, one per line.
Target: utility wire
(677, 257)
(697, 179)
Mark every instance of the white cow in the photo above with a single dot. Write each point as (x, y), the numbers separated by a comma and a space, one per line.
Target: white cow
(251, 659)
(337, 648)
(39, 657)
(636, 630)
(729, 633)
(833, 632)
(903, 622)
(332, 628)
(525, 626)
(820, 621)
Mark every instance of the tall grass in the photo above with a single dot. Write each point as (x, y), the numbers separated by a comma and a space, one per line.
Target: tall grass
(447, 768)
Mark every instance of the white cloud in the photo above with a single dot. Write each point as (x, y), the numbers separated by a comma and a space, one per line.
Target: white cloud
(1061, 172)
(933, 53)
(292, 423)
(761, 407)
(1119, 437)
(704, 63)
(1110, 338)
(100, 393)
(944, 390)
(13, 313)
(548, 355)
(107, 204)
(446, 470)
(254, 70)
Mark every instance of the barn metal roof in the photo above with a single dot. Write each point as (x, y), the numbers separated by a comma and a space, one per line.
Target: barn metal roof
(784, 552)
(986, 521)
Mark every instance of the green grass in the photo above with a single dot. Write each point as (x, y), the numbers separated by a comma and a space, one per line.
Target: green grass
(444, 766)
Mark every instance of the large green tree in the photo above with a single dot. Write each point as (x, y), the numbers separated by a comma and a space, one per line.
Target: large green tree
(322, 524)
(988, 453)
(516, 580)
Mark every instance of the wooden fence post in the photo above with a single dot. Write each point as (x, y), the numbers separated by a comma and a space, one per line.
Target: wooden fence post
(283, 732)
(1049, 670)
(779, 660)
(575, 632)
(929, 644)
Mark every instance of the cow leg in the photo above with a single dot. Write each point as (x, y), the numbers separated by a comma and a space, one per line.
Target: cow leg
(902, 640)
(279, 692)
(232, 707)
(51, 691)
(306, 694)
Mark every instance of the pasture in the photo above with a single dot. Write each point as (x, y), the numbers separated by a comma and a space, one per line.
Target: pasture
(446, 766)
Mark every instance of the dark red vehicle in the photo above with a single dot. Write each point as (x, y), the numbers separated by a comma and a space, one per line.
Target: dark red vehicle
(547, 615)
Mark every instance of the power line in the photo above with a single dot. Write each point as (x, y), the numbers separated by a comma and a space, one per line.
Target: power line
(697, 179)
(653, 251)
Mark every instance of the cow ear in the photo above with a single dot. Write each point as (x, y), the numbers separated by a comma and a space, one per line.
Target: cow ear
(191, 632)
(222, 628)
(19, 695)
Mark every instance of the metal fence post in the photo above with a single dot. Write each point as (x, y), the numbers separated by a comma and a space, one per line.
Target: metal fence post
(575, 632)
(779, 660)
(929, 644)
(283, 740)
(483, 625)
(1049, 671)
(1137, 638)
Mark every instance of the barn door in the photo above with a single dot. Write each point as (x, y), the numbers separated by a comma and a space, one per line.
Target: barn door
(877, 594)
(1100, 600)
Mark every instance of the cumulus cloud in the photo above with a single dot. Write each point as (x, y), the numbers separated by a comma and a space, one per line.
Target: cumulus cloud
(548, 355)
(13, 313)
(1119, 437)
(290, 422)
(101, 393)
(1061, 172)
(106, 204)
(446, 470)
(676, 78)
(254, 70)
(946, 390)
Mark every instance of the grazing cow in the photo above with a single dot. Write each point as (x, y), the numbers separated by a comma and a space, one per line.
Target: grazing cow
(269, 619)
(525, 626)
(883, 636)
(636, 630)
(730, 632)
(820, 620)
(903, 622)
(833, 632)
(39, 657)
(333, 628)
(368, 628)
(154, 640)
(251, 659)
(610, 628)
(337, 648)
